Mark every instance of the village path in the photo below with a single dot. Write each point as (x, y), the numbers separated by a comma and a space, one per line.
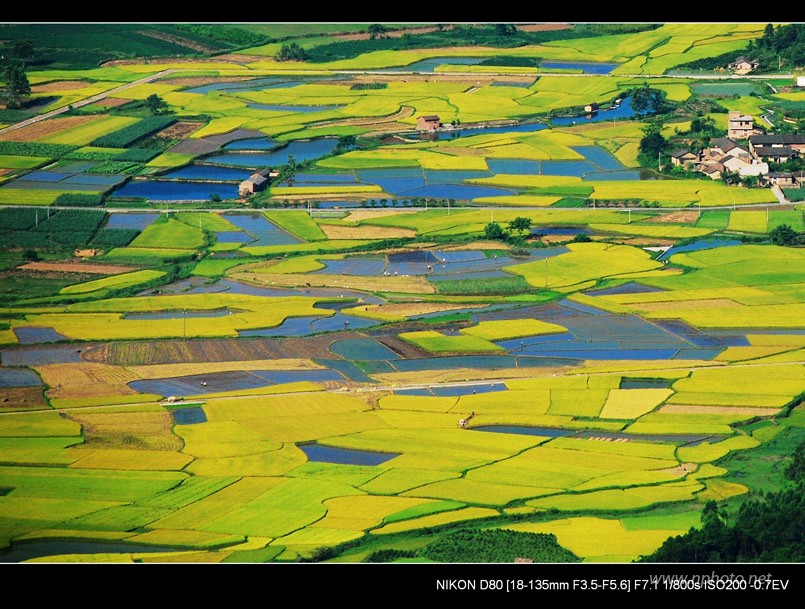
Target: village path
(86, 101)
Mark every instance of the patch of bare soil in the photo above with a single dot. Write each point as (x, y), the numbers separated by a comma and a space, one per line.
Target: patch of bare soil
(677, 217)
(544, 27)
(60, 85)
(45, 128)
(180, 130)
(180, 40)
(77, 267)
(111, 102)
(22, 398)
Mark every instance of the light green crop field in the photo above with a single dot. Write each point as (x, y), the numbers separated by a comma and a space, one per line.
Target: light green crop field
(436, 342)
(170, 234)
(505, 329)
(585, 261)
(114, 282)
(298, 223)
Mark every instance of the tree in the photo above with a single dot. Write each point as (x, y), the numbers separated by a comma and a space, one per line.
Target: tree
(288, 171)
(31, 255)
(17, 86)
(505, 29)
(291, 52)
(24, 49)
(156, 104)
(493, 230)
(652, 144)
(520, 224)
(346, 141)
(646, 100)
(376, 30)
(783, 235)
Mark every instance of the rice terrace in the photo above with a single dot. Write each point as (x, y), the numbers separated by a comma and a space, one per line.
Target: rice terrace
(405, 292)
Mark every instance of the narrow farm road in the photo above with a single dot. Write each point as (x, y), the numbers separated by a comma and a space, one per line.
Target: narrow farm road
(85, 102)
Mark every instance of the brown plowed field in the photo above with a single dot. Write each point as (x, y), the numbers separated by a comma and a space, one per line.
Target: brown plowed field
(77, 267)
(43, 129)
(60, 85)
(22, 398)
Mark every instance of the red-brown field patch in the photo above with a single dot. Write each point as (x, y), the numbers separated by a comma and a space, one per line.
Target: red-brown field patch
(60, 85)
(22, 398)
(544, 27)
(111, 102)
(45, 128)
(77, 267)
(179, 130)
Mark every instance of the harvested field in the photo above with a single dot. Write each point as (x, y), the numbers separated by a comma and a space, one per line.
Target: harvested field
(335, 231)
(60, 85)
(150, 430)
(43, 129)
(85, 380)
(179, 130)
(677, 217)
(111, 102)
(22, 398)
(77, 267)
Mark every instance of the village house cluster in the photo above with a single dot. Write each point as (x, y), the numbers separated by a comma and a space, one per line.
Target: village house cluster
(747, 151)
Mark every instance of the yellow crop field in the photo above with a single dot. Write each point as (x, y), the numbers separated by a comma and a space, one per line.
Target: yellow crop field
(117, 459)
(418, 420)
(115, 281)
(506, 329)
(417, 403)
(584, 262)
(363, 512)
(280, 406)
(82, 135)
(707, 452)
(607, 447)
(216, 439)
(257, 312)
(577, 402)
(601, 539)
(626, 499)
(301, 428)
(525, 401)
(156, 371)
(632, 403)
(470, 513)
(272, 463)
(436, 342)
(477, 492)
(632, 479)
(195, 515)
(399, 479)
